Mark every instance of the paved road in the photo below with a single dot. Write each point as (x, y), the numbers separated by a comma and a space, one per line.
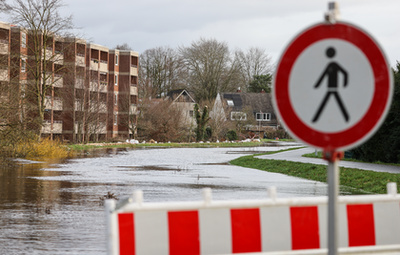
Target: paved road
(296, 156)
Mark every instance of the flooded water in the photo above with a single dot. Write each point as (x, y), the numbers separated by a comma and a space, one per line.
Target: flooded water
(56, 208)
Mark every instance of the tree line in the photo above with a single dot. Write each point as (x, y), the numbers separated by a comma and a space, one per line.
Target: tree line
(204, 68)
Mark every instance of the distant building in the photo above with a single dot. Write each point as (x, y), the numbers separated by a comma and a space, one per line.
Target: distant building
(94, 89)
(253, 108)
(185, 103)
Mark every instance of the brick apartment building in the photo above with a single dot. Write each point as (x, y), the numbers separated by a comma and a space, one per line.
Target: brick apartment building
(93, 95)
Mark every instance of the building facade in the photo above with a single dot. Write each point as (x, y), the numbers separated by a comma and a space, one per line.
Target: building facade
(255, 110)
(92, 91)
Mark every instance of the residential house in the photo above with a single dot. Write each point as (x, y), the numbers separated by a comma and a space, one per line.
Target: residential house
(185, 103)
(254, 108)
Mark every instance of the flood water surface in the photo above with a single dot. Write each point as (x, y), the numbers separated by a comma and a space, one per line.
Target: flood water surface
(56, 208)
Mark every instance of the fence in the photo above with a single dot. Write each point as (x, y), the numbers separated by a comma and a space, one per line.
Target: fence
(367, 223)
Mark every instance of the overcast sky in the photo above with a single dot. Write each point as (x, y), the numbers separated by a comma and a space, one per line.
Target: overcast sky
(266, 24)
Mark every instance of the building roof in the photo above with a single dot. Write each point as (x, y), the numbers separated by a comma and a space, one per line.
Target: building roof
(259, 102)
(181, 95)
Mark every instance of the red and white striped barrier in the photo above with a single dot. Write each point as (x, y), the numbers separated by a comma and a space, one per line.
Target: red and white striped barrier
(276, 226)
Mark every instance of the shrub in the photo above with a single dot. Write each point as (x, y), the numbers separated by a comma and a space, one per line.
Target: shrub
(45, 149)
(208, 133)
(231, 135)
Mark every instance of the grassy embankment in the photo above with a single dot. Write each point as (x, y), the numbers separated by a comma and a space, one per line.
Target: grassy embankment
(353, 181)
(47, 149)
(89, 146)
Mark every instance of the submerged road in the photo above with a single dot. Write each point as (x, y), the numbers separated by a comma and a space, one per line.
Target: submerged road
(296, 156)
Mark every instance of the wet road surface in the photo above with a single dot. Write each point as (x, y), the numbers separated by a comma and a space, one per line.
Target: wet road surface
(296, 156)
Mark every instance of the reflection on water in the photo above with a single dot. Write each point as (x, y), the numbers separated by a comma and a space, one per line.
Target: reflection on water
(46, 217)
(54, 207)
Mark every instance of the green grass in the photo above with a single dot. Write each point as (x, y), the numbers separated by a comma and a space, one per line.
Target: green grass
(89, 146)
(353, 181)
(319, 155)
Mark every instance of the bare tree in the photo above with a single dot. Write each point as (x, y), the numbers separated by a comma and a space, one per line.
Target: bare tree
(45, 29)
(211, 68)
(123, 46)
(91, 110)
(161, 121)
(160, 71)
(254, 62)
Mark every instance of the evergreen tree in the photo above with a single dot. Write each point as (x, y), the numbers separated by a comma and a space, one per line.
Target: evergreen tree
(261, 83)
(201, 121)
(384, 146)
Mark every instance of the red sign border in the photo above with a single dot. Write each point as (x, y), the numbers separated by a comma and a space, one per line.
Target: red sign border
(380, 104)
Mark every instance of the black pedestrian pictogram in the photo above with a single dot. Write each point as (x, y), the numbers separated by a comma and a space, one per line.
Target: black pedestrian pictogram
(332, 71)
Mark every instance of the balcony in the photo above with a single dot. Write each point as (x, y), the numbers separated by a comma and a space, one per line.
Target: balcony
(3, 75)
(103, 107)
(80, 60)
(103, 87)
(58, 81)
(49, 54)
(103, 66)
(57, 104)
(58, 58)
(134, 90)
(79, 127)
(78, 105)
(79, 83)
(94, 64)
(57, 127)
(47, 103)
(4, 49)
(94, 86)
(47, 127)
(134, 70)
(103, 128)
(133, 109)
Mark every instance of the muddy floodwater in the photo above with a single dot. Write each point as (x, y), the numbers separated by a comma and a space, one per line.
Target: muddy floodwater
(56, 208)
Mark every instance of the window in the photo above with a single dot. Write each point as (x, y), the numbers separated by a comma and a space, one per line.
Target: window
(23, 65)
(115, 119)
(116, 59)
(263, 116)
(115, 99)
(238, 116)
(23, 40)
(116, 80)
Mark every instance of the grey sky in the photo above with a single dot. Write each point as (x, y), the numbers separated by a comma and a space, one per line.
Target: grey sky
(266, 24)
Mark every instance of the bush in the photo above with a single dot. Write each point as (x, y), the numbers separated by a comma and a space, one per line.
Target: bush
(208, 133)
(276, 133)
(45, 149)
(231, 135)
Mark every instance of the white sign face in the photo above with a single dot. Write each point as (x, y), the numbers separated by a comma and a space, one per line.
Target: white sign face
(340, 87)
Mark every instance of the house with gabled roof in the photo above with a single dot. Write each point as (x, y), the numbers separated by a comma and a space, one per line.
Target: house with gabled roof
(242, 106)
(182, 99)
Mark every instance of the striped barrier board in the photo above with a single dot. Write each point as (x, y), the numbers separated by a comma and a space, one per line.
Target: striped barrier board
(270, 226)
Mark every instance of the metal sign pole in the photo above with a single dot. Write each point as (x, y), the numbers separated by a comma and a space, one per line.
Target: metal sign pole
(333, 169)
(333, 192)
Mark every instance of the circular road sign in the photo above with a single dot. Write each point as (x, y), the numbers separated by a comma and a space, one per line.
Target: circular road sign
(333, 86)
